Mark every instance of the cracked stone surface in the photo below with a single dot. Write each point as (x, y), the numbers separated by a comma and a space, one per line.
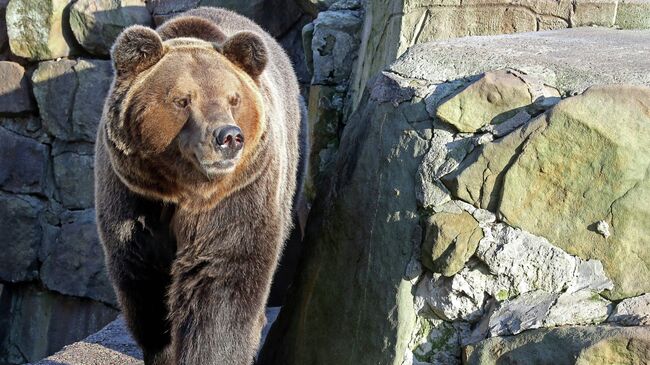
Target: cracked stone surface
(567, 345)
(632, 311)
(66, 92)
(574, 166)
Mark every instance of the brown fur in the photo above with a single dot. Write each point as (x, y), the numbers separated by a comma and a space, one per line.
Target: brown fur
(221, 232)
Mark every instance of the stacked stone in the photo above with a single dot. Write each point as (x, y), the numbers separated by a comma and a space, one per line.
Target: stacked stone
(487, 204)
(55, 73)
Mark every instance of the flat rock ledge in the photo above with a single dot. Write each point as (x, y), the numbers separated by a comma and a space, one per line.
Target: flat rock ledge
(113, 345)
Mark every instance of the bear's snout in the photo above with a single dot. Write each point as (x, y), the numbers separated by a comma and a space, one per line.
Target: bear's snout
(229, 136)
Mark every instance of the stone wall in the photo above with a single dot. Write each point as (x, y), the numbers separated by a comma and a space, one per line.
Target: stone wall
(487, 205)
(359, 38)
(55, 73)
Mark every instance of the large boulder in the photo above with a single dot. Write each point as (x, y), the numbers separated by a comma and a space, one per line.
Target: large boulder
(96, 24)
(39, 30)
(583, 173)
(74, 179)
(565, 346)
(69, 95)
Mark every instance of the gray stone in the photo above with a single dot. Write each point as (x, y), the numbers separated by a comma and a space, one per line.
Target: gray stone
(556, 58)
(70, 96)
(23, 164)
(458, 297)
(14, 89)
(40, 322)
(542, 309)
(21, 237)
(358, 250)
(97, 23)
(74, 180)
(568, 345)
(531, 263)
(632, 311)
(74, 264)
(435, 342)
(38, 30)
(334, 44)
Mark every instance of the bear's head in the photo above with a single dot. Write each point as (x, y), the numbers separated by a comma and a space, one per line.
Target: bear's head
(186, 110)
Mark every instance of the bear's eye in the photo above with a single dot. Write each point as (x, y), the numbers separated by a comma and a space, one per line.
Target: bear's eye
(234, 100)
(182, 103)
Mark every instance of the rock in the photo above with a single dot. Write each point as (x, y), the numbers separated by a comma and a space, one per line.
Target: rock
(446, 152)
(22, 234)
(580, 307)
(41, 322)
(632, 312)
(537, 169)
(526, 311)
(334, 44)
(70, 96)
(292, 42)
(96, 24)
(458, 297)
(529, 263)
(74, 264)
(542, 309)
(556, 58)
(39, 30)
(23, 164)
(74, 180)
(275, 16)
(15, 97)
(356, 253)
(449, 241)
(567, 345)
(435, 342)
(633, 14)
(496, 97)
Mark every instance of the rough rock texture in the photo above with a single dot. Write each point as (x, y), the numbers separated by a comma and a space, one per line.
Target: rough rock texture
(632, 312)
(556, 57)
(68, 94)
(74, 263)
(22, 234)
(565, 346)
(74, 179)
(39, 30)
(392, 26)
(23, 164)
(449, 241)
(573, 166)
(112, 345)
(493, 99)
(358, 249)
(383, 187)
(40, 322)
(14, 89)
(96, 23)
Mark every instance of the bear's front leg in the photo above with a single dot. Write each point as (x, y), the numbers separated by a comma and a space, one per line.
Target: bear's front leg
(218, 294)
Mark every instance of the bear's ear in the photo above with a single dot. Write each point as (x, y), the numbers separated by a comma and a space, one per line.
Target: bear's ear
(136, 49)
(193, 27)
(246, 50)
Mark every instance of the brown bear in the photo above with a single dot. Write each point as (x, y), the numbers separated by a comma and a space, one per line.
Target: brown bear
(197, 162)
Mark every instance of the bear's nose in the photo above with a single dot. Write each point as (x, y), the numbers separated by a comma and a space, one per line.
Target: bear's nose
(229, 136)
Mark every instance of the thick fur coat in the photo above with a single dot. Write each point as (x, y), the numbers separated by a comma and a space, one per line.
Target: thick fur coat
(192, 228)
